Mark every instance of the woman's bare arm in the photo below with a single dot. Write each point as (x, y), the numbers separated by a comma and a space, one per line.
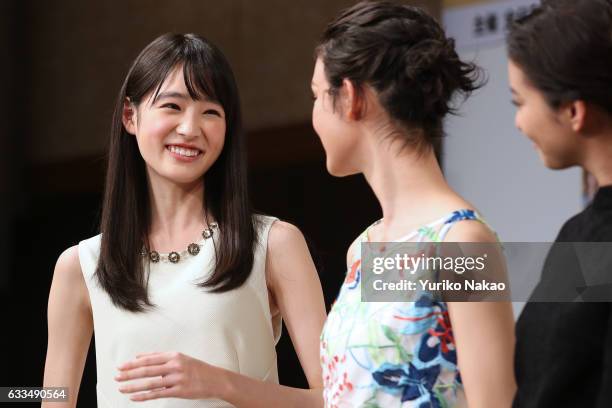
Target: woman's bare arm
(70, 326)
(484, 335)
(297, 293)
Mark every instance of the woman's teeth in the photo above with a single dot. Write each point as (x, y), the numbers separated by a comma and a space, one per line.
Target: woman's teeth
(183, 151)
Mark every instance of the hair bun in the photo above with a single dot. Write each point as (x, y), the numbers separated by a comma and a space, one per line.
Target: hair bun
(404, 54)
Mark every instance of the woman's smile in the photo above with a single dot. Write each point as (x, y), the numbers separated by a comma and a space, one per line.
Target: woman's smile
(183, 153)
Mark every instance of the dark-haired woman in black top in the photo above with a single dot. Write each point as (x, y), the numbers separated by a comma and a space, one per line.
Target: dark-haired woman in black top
(561, 77)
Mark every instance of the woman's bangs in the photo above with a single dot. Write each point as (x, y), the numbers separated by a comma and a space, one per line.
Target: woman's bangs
(199, 81)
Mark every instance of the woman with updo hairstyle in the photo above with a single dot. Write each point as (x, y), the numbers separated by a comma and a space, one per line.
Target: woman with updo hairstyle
(560, 71)
(384, 78)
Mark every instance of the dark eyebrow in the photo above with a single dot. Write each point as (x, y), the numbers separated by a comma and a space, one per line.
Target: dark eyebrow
(179, 95)
(513, 91)
(163, 95)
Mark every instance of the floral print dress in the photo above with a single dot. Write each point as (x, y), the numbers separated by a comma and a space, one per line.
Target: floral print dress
(391, 354)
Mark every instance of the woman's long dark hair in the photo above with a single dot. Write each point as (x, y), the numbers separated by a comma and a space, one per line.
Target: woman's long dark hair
(564, 47)
(126, 212)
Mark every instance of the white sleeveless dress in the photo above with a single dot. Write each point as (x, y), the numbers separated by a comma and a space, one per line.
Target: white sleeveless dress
(233, 330)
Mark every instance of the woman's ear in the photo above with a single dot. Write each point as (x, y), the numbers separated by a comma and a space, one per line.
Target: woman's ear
(128, 116)
(352, 101)
(577, 115)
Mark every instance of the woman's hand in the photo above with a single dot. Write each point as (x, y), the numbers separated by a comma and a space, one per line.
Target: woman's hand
(170, 374)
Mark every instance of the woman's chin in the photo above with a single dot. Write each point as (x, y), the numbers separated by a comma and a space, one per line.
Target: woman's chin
(337, 170)
(554, 163)
(184, 179)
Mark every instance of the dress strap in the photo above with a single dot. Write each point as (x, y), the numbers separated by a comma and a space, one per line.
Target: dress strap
(433, 231)
(365, 235)
(456, 216)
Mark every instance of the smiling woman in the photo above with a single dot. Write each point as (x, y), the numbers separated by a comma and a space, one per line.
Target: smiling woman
(560, 72)
(185, 287)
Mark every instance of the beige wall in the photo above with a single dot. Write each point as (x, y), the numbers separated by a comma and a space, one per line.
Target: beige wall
(80, 52)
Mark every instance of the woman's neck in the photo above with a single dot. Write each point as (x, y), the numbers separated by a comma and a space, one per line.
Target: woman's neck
(597, 158)
(177, 212)
(409, 186)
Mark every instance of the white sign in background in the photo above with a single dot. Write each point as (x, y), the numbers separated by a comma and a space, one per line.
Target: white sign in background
(484, 24)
